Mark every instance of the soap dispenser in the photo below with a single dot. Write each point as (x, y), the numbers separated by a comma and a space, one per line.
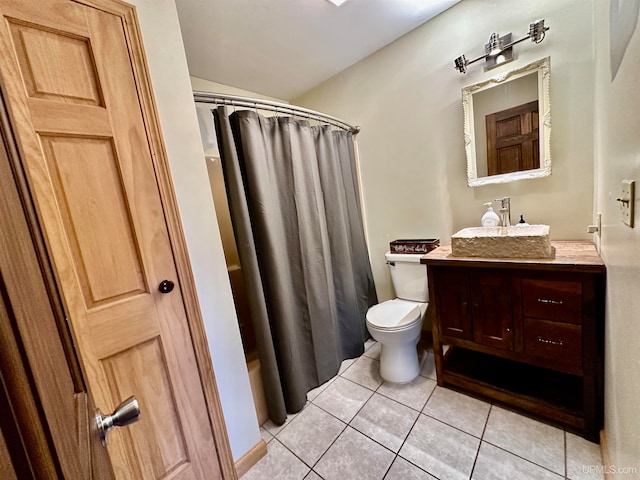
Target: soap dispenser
(490, 218)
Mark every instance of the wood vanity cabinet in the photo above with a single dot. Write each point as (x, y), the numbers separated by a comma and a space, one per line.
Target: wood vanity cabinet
(526, 333)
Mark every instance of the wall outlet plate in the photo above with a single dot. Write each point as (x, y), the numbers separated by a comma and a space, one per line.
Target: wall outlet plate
(627, 198)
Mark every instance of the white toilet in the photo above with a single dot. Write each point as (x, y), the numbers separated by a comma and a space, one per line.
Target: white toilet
(397, 324)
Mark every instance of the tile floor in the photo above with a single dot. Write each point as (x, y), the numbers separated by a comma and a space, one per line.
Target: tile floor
(356, 426)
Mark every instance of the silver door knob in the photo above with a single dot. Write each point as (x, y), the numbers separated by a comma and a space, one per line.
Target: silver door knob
(124, 414)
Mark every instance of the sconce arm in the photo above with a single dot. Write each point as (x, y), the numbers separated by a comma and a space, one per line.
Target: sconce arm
(536, 34)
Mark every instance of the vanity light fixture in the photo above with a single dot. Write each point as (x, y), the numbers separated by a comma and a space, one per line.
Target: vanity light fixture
(499, 50)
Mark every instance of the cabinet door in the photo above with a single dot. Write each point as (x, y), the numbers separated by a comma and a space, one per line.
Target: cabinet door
(452, 300)
(492, 309)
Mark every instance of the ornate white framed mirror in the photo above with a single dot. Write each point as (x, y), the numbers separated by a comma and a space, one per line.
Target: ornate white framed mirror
(507, 126)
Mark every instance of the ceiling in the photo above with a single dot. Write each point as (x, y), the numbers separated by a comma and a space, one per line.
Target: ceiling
(283, 48)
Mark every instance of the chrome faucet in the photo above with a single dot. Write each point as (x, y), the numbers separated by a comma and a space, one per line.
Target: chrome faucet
(505, 211)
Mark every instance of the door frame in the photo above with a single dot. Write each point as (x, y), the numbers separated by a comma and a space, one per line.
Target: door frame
(195, 321)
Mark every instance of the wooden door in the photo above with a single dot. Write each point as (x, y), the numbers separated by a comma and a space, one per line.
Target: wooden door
(452, 300)
(47, 422)
(71, 78)
(512, 139)
(492, 312)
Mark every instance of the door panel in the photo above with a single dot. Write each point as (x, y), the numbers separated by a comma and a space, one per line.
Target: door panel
(71, 79)
(142, 369)
(492, 309)
(79, 123)
(452, 294)
(93, 209)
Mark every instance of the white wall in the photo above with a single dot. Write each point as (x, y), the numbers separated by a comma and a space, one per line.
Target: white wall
(202, 85)
(172, 89)
(407, 98)
(618, 158)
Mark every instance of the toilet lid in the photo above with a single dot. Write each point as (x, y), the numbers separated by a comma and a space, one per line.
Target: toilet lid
(393, 314)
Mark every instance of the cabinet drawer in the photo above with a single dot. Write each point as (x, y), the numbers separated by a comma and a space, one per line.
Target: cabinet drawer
(560, 343)
(552, 300)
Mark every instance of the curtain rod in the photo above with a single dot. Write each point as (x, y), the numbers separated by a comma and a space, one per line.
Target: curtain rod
(223, 99)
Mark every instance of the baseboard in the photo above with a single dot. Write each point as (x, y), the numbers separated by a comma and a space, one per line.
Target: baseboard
(606, 460)
(252, 457)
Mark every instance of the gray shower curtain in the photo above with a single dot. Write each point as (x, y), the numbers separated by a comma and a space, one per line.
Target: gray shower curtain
(295, 209)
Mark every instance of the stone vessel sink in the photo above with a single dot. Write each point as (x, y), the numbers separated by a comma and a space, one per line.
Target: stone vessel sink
(529, 241)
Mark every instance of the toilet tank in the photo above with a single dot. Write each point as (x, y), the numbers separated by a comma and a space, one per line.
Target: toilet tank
(409, 276)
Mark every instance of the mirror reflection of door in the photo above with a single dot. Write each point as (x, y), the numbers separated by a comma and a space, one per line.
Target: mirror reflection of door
(495, 100)
(512, 139)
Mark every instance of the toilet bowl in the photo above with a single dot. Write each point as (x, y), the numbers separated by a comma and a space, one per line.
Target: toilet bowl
(397, 324)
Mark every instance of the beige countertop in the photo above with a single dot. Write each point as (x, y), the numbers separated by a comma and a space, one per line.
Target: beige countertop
(580, 253)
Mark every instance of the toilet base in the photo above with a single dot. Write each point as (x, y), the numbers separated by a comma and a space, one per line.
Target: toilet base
(399, 363)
